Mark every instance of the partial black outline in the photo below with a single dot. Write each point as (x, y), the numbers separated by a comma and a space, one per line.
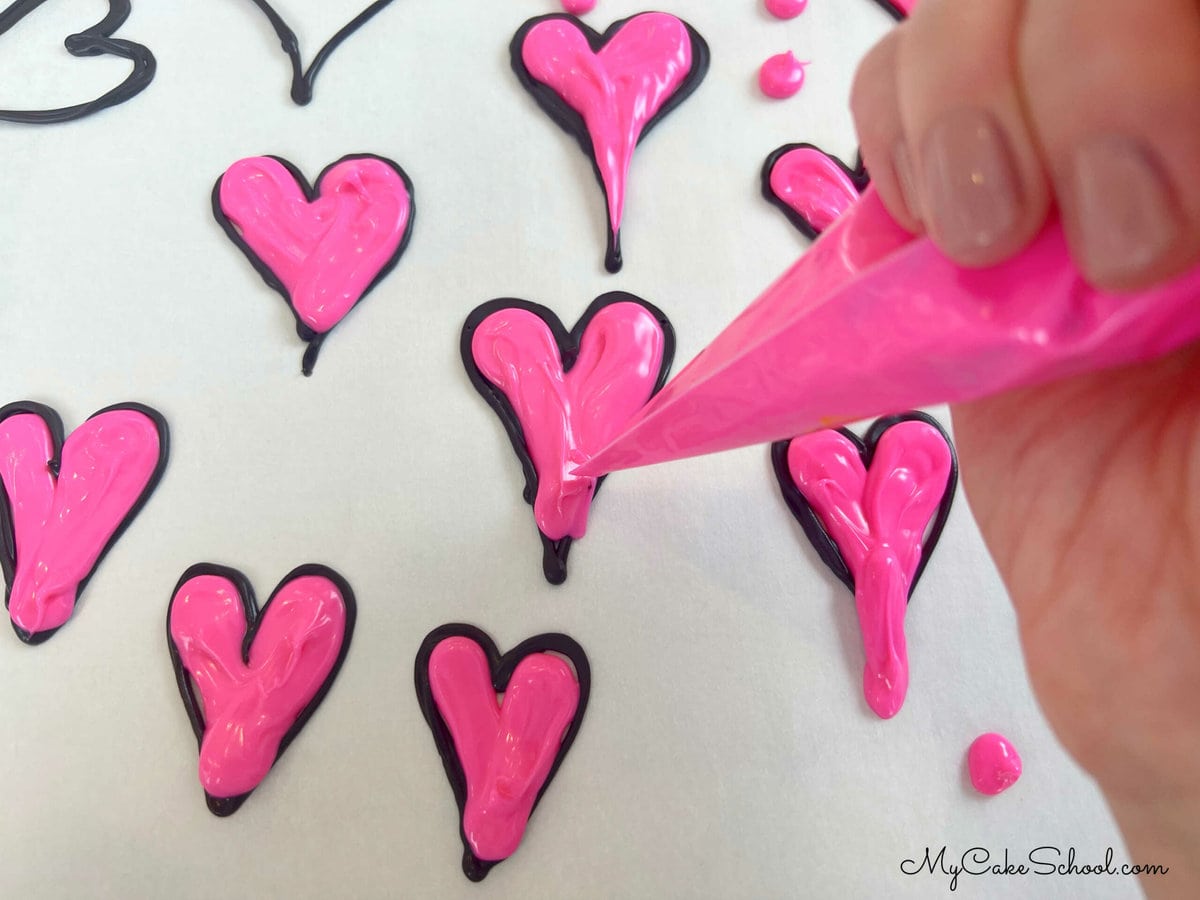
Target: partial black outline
(554, 553)
(811, 523)
(858, 175)
(892, 10)
(303, 80)
(315, 339)
(502, 668)
(227, 806)
(94, 41)
(572, 122)
(54, 424)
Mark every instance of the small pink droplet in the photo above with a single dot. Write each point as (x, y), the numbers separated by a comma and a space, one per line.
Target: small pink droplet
(578, 7)
(781, 76)
(993, 763)
(786, 9)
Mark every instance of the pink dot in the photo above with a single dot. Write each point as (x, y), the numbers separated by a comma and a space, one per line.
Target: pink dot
(993, 763)
(578, 7)
(781, 76)
(786, 9)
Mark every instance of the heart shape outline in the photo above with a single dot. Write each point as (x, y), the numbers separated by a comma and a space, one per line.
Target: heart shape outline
(502, 668)
(814, 528)
(572, 122)
(254, 616)
(97, 40)
(858, 177)
(302, 79)
(315, 339)
(554, 552)
(54, 425)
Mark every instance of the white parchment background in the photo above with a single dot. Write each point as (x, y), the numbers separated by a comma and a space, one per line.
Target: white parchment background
(727, 751)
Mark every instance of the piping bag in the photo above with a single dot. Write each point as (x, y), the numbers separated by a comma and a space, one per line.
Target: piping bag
(872, 321)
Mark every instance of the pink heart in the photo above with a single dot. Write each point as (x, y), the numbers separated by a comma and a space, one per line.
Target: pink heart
(565, 396)
(617, 85)
(810, 186)
(879, 514)
(500, 753)
(325, 247)
(64, 503)
(250, 680)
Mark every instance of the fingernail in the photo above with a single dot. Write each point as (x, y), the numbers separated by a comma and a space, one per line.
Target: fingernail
(1123, 210)
(972, 195)
(902, 165)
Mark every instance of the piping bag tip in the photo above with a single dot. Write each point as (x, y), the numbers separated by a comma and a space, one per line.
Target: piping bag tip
(871, 321)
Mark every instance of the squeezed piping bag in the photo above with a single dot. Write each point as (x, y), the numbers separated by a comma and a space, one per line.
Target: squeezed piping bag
(873, 321)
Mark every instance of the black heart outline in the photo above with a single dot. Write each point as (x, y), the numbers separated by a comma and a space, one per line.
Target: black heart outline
(54, 424)
(302, 80)
(892, 10)
(572, 122)
(554, 552)
(811, 523)
(858, 176)
(94, 41)
(227, 806)
(502, 668)
(315, 339)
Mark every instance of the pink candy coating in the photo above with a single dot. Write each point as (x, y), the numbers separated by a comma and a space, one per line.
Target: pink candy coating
(578, 7)
(994, 764)
(813, 185)
(781, 76)
(786, 9)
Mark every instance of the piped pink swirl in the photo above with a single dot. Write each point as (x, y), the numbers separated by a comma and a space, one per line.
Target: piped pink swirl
(328, 251)
(506, 748)
(878, 518)
(568, 416)
(249, 706)
(62, 525)
(618, 90)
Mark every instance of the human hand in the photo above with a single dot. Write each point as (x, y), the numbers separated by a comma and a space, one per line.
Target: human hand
(978, 120)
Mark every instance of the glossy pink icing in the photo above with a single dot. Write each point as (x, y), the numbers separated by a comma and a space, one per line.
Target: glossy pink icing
(617, 90)
(878, 518)
(63, 524)
(994, 764)
(905, 6)
(814, 185)
(507, 747)
(781, 76)
(786, 9)
(325, 252)
(871, 320)
(248, 708)
(578, 7)
(567, 416)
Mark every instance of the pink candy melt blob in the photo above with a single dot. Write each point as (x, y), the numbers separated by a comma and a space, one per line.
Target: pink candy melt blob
(61, 525)
(578, 7)
(248, 704)
(506, 748)
(813, 186)
(786, 9)
(781, 76)
(878, 518)
(568, 415)
(326, 251)
(994, 764)
(617, 90)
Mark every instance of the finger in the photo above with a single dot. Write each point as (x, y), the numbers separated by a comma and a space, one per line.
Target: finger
(982, 189)
(875, 104)
(1119, 123)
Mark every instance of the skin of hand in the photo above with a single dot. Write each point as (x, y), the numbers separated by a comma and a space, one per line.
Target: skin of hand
(979, 119)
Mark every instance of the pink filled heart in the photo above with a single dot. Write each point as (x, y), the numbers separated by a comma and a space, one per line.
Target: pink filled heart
(249, 679)
(564, 396)
(500, 753)
(810, 186)
(874, 511)
(64, 503)
(322, 248)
